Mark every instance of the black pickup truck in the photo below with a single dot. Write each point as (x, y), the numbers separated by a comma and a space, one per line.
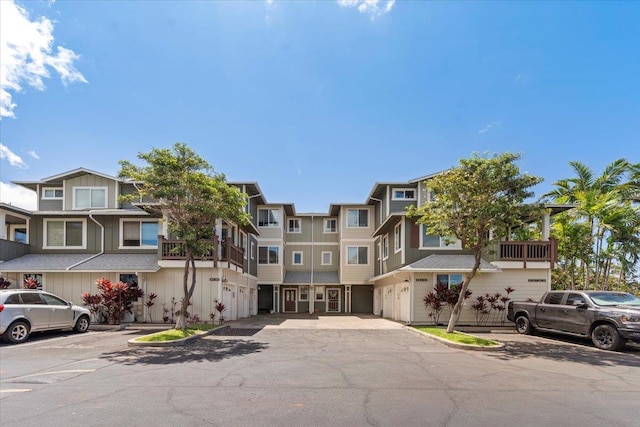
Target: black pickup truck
(609, 318)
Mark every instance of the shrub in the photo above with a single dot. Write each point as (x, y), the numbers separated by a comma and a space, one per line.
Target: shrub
(115, 299)
(4, 283)
(30, 283)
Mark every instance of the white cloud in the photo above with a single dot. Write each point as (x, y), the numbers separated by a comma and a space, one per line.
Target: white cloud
(27, 55)
(488, 127)
(33, 154)
(14, 159)
(375, 8)
(17, 196)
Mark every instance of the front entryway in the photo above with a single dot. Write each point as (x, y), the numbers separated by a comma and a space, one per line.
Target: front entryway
(265, 298)
(290, 301)
(333, 300)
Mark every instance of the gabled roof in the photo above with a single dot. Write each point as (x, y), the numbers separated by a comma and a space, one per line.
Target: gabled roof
(57, 179)
(378, 189)
(422, 178)
(334, 208)
(15, 210)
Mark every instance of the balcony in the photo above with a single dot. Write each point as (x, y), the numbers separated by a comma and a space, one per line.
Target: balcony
(175, 250)
(533, 251)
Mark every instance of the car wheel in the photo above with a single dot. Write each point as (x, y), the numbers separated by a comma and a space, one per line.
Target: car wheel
(17, 333)
(606, 337)
(523, 325)
(82, 325)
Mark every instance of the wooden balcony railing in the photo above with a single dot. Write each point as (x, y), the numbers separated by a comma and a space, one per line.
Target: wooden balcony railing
(528, 251)
(175, 250)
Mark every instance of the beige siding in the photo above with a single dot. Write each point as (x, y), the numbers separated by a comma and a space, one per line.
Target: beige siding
(305, 229)
(306, 257)
(356, 232)
(353, 274)
(318, 230)
(272, 232)
(317, 255)
(270, 274)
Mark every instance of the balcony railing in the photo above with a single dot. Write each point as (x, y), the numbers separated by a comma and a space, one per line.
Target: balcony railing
(175, 250)
(533, 251)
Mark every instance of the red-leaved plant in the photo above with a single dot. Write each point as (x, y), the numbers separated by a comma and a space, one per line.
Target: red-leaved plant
(30, 283)
(4, 283)
(116, 298)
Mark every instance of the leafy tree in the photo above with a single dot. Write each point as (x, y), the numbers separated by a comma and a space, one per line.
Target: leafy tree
(477, 202)
(191, 197)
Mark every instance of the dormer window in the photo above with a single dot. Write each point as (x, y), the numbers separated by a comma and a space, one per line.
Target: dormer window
(89, 197)
(404, 194)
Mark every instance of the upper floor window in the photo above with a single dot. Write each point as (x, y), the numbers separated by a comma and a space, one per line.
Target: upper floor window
(268, 254)
(268, 217)
(326, 258)
(19, 233)
(243, 243)
(297, 258)
(330, 225)
(357, 217)
(358, 255)
(89, 197)
(294, 225)
(397, 238)
(137, 233)
(431, 241)
(65, 233)
(52, 193)
(385, 246)
(404, 194)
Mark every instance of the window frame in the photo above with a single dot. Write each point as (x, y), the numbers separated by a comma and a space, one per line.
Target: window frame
(328, 230)
(74, 197)
(457, 245)
(357, 248)
(12, 233)
(54, 189)
(270, 224)
(397, 238)
(322, 254)
(269, 247)
(45, 236)
(319, 292)
(385, 246)
(404, 192)
(449, 284)
(140, 221)
(358, 222)
(294, 230)
(293, 258)
(300, 293)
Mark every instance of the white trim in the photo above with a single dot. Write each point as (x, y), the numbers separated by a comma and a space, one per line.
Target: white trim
(269, 225)
(454, 247)
(106, 197)
(44, 197)
(293, 258)
(404, 190)
(64, 220)
(141, 246)
(253, 249)
(358, 226)
(12, 231)
(357, 264)
(300, 293)
(295, 230)
(385, 246)
(268, 261)
(325, 229)
(322, 253)
(397, 238)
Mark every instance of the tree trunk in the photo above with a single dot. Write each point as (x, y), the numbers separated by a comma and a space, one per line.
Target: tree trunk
(457, 309)
(181, 323)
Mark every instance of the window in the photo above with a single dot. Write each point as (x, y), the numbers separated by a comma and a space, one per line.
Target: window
(385, 246)
(64, 233)
(404, 194)
(326, 258)
(330, 225)
(450, 280)
(397, 238)
(52, 193)
(294, 225)
(253, 250)
(139, 233)
(575, 299)
(243, 243)
(19, 234)
(53, 300)
(304, 293)
(89, 197)
(357, 255)
(431, 241)
(37, 278)
(357, 218)
(297, 258)
(268, 217)
(130, 279)
(554, 298)
(319, 293)
(268, 254)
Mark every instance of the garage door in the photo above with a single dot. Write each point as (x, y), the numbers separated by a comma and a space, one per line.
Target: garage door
(362, 299)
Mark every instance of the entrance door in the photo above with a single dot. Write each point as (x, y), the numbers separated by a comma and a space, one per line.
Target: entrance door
(333, 300)
(290, 301)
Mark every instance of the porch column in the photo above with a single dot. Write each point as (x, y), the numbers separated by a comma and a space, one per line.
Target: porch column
(312, 299)
(347, 299)
(276, 299)
(546, 219)
(3, 226)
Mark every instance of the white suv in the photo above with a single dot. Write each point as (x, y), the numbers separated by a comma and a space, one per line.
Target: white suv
(23, 311)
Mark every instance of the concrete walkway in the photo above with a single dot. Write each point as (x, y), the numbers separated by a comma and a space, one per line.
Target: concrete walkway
(312, 321)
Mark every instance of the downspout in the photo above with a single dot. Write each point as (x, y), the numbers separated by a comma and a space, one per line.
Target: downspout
(101, 245)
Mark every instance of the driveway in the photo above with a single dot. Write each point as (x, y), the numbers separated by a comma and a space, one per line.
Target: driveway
(272, 375)
(306, 321)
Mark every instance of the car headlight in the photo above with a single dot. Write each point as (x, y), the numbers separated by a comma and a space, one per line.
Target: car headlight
(630, 319)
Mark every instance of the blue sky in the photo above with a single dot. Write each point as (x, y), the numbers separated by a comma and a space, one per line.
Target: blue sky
(317, 100)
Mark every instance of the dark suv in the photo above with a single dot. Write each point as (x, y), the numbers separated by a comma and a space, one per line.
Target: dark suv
(23, 311)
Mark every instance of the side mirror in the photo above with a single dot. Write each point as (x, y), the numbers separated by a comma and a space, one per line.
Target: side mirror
(582, 306)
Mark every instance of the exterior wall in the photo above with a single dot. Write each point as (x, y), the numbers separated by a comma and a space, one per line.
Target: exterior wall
(270, 274)
(36, 233)
(305, 234)
(356, 232)
(355, 274)
(306, 257)
(317, 257)
(412, 249)
(10, 250)
(90, 181)
(318, 230)
(272, 232)
(526, 282)
(49, 205)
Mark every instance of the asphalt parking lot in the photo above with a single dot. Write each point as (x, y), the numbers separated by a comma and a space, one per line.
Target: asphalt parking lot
(283, 374)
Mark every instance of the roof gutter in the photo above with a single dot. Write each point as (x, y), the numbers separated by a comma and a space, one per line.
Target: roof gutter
(101, 245)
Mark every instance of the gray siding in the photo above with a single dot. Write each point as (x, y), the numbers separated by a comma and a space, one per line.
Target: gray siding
(50, 205)
(318, 230)
(90, 181)
(36, 228)
(10, 250)
(401, 205)
(305, 228)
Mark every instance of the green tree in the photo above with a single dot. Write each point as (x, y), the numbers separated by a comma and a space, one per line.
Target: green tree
(191, 197)
(477, 202)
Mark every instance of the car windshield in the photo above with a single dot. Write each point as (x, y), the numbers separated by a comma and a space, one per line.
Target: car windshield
(615, 298)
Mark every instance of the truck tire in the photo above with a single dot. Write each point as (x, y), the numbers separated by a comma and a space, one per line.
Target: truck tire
(17, 332)
(523, 325)
(606, 337)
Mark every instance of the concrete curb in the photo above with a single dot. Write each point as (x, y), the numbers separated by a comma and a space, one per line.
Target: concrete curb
(175, 343)
(460, 346)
